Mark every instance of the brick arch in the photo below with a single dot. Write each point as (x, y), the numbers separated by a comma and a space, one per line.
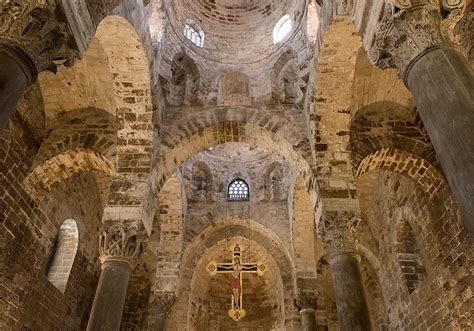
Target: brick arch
(245, 228)
(237, 227)
(387, 124)
(63, 166)
(217, 126)
(87, 128)
(429, 178)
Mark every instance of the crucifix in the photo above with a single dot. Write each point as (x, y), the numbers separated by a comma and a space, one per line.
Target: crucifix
(236, 268)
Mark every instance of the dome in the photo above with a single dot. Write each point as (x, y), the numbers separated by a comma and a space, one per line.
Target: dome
(235, 31)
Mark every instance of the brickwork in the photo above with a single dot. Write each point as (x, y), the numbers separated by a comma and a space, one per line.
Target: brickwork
(28, 229)
(144, 127)
(425, 282)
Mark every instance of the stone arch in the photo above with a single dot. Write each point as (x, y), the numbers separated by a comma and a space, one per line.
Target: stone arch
(201, 183)
(245, 228)
(273, 183)
(234, 90)
(407, 164)
(63, 254)
(63, 166)
(205, 129)
(184, 80)
(87, 128)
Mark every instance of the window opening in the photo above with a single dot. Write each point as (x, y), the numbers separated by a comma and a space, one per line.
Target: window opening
(194, 34)
(282, 29)
(63, 254)
(238, 191)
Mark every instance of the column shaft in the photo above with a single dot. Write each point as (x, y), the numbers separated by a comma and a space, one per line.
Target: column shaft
(308, 319)
(352, 307)
(110, 296)
(442, 83)
(14, 79)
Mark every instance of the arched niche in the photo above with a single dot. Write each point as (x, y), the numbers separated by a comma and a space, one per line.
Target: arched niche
(184, 81)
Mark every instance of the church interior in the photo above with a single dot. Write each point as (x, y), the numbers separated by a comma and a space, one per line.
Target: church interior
(236, 165)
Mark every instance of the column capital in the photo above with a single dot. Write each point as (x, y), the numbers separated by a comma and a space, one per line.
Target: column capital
(121, 241)
(164, 300)
(35, 30)
(411, 28)
(338, 232)
(306, 299)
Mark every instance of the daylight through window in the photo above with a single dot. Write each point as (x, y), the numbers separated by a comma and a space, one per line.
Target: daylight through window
(193, 33)
(238, 190)
(282, 29)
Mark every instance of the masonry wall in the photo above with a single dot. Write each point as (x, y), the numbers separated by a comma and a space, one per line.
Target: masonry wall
(425, 254)
(28, 229)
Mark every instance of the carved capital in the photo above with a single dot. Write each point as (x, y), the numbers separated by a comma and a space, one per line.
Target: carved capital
(306, 299)
(163, 301)
(410, 28)
(122, 241)
(34, 28)
(339, 232)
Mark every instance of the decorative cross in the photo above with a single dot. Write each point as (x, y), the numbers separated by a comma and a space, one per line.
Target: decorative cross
(236, 268)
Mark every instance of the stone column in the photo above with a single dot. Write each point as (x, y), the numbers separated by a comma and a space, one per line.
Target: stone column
(31, 40)
(416, 37)
(306, 303)
(120, 245)
(159, 307)
(338, 235)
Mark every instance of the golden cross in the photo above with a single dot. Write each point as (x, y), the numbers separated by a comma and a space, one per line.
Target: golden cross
(236, 268)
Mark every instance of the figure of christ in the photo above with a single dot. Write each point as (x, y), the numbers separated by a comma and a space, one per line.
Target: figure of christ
(235, 282)
(237, 269)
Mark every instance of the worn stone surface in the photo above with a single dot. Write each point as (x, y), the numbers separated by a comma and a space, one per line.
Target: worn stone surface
(146, 130)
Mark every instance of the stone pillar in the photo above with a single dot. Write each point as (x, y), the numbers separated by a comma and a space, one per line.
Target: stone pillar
(120, 246)
(338, 235)
(159, 307)
(416, 37)
(31, 40)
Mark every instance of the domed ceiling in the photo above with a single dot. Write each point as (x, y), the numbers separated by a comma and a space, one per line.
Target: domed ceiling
(236, 31)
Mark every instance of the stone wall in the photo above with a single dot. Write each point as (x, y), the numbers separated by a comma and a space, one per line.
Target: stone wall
(29, 228)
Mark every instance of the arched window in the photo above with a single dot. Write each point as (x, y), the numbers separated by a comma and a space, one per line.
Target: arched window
(238, 191)
(194, 33)
(63, 254)
(282, 29)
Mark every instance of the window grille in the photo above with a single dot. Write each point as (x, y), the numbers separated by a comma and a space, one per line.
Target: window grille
(238, 191)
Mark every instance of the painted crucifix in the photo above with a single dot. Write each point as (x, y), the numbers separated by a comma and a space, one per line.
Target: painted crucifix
(236, 268)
